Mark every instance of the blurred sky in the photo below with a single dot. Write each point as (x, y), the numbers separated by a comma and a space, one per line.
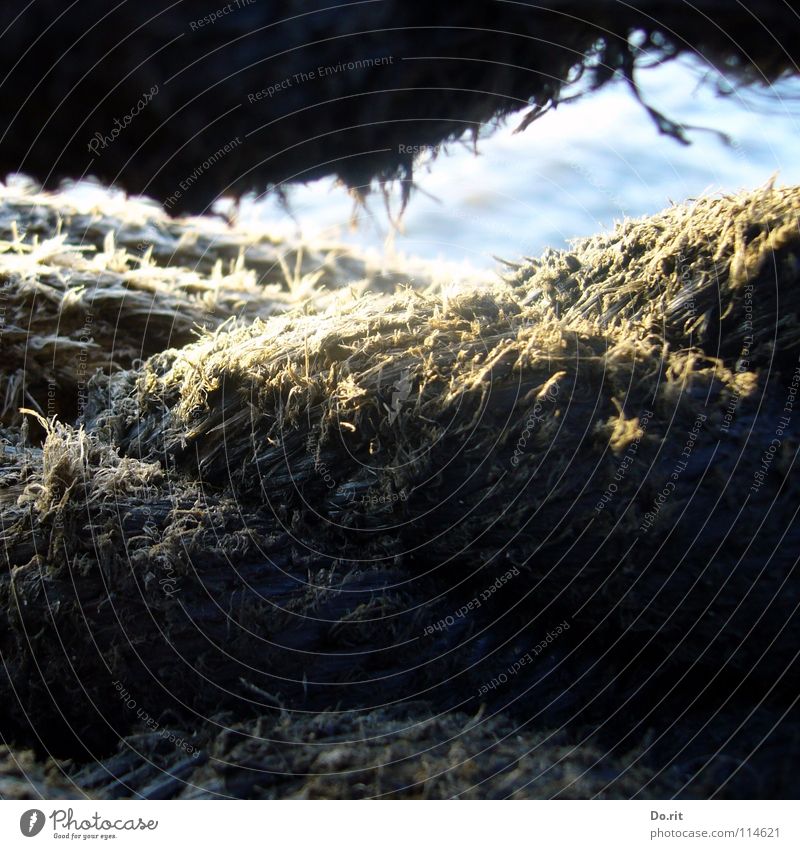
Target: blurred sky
(572, 173)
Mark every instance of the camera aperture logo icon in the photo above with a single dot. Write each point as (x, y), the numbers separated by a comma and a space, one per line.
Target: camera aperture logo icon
(31, 822)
